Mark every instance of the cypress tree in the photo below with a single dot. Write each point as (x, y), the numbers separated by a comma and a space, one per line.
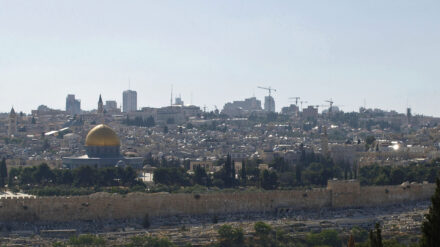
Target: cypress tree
(351, 242)
(431, 225)
(3, 172)
(232, 177)
(228, 171)
(243, 172)
(376, 236)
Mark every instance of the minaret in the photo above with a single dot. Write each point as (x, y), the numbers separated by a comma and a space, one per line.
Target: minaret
(12, 128)
(100, 110)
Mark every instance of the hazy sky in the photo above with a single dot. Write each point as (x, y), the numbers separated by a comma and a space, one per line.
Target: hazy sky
(384, 52)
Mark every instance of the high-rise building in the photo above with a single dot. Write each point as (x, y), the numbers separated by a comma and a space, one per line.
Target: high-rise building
(12, 127)
(129, 101)
(73, 106)
(269, 104)
(111, 105)
(242, 108)
(310, 113)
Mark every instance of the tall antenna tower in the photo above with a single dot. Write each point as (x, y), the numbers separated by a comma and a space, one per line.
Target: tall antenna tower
(171, 99)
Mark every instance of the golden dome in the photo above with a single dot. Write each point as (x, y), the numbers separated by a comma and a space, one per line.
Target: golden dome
(102, 135)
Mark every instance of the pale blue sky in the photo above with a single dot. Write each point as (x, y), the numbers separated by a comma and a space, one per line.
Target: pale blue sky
(386, 52)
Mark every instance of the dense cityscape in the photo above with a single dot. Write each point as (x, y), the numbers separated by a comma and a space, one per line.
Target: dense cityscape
(219, 123)
(243, 147)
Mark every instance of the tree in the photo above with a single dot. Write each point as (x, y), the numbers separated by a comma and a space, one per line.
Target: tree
(262, 232)
(369, 141)
(149, 241)
(324, 238)
(43, 174)
(229, 172)
(201, 177)
(171, 176)
(431, 225)
(262, 229)
(243, 174)
(280, 164)
(230, 236)
(86, 240)
(3, 172)
(269, 180)
(376, 236)
(351, 241)
(85, 176)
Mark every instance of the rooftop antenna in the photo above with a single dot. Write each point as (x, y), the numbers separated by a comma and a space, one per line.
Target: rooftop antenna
(171, 99)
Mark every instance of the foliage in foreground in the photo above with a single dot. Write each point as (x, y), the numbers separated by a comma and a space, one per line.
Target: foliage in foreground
(86, 240)
(149, 241)
(431, 225)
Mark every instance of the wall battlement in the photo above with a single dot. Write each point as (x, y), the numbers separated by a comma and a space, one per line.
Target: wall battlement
(338, 194)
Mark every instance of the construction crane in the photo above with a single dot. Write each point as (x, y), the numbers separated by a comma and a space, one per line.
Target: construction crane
(330, 101)
(268, 89)
(303, 102)
(296, 100)
(318, 106)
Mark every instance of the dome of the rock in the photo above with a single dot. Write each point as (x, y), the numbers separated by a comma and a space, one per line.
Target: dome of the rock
(102, 136)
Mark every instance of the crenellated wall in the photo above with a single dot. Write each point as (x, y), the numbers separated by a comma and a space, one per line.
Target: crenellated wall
(135, 205)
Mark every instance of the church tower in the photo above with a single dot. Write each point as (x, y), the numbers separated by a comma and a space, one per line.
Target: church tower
(100, 110)
(100, 105)
(12, 128)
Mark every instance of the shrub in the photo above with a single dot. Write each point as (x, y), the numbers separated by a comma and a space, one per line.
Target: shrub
(326, 237)
(86, 240)
(231, 236)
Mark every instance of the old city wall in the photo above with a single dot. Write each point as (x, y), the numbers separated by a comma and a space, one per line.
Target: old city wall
(388, 195)
(351, 194)
(136, 205)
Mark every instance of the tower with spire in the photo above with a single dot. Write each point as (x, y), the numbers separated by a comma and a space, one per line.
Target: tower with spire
(100, 110)
(12, 127)
(100, 105)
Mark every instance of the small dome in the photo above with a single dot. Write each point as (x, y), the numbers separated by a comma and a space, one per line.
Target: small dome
(102, 136)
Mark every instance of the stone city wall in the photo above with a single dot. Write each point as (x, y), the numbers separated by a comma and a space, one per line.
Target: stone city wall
(349, 193)
(136, 205)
